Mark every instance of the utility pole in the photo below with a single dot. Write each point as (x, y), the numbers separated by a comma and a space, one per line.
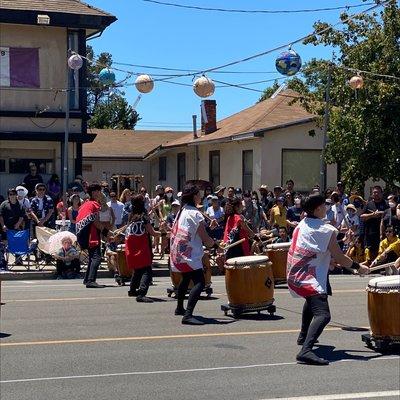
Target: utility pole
(66, 142)
(196, 148)
(325, 129)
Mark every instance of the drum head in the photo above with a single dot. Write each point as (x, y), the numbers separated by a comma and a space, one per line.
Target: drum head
(247, 260)
(385, 283)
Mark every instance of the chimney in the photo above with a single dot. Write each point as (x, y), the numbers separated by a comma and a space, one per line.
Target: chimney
(208, 116)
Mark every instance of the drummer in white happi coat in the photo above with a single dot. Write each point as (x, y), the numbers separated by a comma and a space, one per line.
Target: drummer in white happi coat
(313, 245)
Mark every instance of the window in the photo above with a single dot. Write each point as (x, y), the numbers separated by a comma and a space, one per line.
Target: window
(162, 169)
(73, 76)
(87, 167)
(214, 164)
(21, 165)
(303, 166)
(247, 170)
(2, 165)
(19, 67)
(181, 158)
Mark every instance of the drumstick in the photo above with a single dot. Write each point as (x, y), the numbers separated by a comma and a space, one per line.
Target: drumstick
(277, 246)
(232, 244)
(382, 266)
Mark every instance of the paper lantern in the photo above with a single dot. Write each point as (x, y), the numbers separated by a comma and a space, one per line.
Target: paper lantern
(75, 62)
(356, 82)
(144, 83)
(204, 87)
(106, 77)
(288, 63)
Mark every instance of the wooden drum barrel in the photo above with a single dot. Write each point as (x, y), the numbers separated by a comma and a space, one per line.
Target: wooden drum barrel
(249, 281)
(176, 277)
(278, 258)
(384, 307)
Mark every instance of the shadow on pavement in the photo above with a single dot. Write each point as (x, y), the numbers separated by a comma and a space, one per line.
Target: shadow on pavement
(332, 355)
(260, 317)
(157, 300)
(214, 321)
(4, 335)
(354, 329)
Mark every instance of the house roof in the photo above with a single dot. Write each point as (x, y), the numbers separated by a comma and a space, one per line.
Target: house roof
(116, 143)
(58, 6)
(64, 13)
(267, 115)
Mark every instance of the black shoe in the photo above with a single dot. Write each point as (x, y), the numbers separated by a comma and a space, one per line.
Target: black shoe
(132, 293)
(144, 299)
(301, 340)
(190, 320)
(180, 311)
(311, 358)
(94, 285)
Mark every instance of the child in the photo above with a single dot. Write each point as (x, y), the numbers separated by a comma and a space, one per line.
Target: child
(111, 252)
(68, 264)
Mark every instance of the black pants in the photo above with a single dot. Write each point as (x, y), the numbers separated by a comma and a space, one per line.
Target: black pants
(61, 267)
(93, 264)
(141, 279)
(198, 285)
(316, 316)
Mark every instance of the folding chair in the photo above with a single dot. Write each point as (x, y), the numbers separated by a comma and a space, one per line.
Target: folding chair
(18, 246)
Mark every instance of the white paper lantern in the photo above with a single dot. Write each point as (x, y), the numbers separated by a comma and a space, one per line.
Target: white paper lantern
(75, 62)
(204, 87)
(144, 83)
(356, 82)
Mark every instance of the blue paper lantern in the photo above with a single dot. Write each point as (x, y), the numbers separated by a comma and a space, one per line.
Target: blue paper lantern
(288, 63)
(106, 77)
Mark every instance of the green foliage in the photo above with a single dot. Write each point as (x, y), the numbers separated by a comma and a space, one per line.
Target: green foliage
(364, 126)
(114, 113)
(108, 106)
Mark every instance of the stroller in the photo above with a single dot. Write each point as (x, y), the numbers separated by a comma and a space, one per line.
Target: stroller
(21, 249)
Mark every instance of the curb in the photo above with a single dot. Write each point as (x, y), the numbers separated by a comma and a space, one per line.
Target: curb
(42, 275)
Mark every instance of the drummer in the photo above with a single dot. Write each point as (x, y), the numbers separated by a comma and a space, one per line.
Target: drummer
(236, 228)
(313, 245)
(187, 238)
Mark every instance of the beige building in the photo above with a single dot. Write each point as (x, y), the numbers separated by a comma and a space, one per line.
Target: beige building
(122, 152)
(35, 39)
(268, 143)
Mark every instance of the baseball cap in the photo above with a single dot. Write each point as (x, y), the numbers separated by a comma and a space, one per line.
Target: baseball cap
(175, 203)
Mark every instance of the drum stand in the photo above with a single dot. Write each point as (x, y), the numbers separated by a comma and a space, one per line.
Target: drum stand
(237, 311)
(380, 344)
(208, 290)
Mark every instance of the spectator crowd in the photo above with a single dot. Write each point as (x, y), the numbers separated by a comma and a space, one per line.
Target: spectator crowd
(368, 229)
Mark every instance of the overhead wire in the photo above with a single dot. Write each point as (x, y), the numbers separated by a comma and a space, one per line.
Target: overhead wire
(235, 10)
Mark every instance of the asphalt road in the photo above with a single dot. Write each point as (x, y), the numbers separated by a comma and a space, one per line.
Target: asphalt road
(69, 342)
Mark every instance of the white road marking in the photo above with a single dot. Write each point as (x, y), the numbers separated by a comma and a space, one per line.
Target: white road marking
(176, 371)
(364, 395)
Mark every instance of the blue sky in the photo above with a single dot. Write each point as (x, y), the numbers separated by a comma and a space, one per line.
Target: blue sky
(150, 34)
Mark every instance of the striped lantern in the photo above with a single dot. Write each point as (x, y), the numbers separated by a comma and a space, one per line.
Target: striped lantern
(204, 87)
(144, 83)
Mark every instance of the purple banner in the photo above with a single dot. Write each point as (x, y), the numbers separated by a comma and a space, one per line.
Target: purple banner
(24, 67)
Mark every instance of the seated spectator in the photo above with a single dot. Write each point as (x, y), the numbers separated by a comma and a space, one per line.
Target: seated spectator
(11, 213)
(68, 264)
(283, 236)
(389, 249)
(295, 213)
(356, 250)
(330, 215)
(111, 252)
(278, 214)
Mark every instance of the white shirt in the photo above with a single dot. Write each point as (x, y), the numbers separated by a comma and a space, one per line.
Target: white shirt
(217, 214)
(338, 211)
(309, 257)
(26, 204)
(186, 252)
(118, 208)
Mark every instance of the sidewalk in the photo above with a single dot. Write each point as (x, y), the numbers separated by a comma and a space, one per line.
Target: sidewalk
(160, 268)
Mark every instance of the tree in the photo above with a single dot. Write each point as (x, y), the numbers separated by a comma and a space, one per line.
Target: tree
(364, 126)
(108, 106)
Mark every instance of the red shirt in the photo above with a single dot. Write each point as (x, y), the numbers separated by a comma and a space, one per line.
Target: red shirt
(87, 214)
(233, 233)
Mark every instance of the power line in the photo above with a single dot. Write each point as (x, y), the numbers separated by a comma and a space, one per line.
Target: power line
(234, 10)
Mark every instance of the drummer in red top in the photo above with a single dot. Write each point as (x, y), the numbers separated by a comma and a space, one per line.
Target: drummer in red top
(236, 228)
(138, 253)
